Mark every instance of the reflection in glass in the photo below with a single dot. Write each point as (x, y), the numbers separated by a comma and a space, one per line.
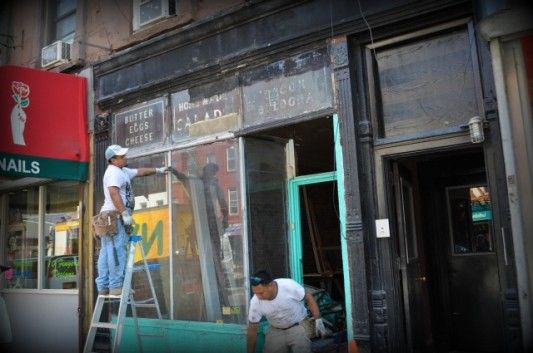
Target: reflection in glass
(151, 221)
(470, 219)
(208, 252)
(62, 235)
(22, 239)
(266, 181)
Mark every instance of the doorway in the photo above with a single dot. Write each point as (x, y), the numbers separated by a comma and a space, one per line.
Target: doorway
(314, 236)
(447, 250)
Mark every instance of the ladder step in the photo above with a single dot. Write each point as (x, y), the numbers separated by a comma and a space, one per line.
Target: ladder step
(144, 301)
(125, 299)
(104, 325)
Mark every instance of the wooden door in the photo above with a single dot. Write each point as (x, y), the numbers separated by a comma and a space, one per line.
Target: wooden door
(412, 261)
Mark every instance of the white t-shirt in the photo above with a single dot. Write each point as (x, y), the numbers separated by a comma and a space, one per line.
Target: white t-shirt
(285, 309)
(119, 177)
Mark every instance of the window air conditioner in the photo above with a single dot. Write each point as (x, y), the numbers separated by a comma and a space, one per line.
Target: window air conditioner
(57, 52)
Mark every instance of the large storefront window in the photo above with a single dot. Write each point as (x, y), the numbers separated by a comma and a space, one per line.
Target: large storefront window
(22, 241)
(151, 221)
(43, 218)
(207, 238)
(62, 230)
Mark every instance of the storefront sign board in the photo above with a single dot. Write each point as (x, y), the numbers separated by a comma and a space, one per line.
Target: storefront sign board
(140, 125)
(44, 128)
(287, 88)
(206, 110)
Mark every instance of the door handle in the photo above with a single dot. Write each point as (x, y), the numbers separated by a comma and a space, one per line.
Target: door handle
(421, 279)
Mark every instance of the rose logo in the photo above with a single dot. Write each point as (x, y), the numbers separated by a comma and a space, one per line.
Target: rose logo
(21, 91)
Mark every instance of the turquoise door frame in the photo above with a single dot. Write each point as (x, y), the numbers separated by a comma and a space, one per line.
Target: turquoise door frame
(295, 231)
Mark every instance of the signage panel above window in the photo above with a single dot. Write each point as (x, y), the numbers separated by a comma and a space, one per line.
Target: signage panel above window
(206, 110)
(288, 88)
(140, 125)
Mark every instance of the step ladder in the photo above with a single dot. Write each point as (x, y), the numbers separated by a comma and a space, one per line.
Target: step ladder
(125, 299)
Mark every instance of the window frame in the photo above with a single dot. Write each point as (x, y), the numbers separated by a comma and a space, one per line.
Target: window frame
(372, 78)
(231, 159)
(53, 20)
(43, 260)
(165, 13)
(235, 191)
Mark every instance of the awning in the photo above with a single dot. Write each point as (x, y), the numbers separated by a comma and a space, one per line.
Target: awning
(43, 124)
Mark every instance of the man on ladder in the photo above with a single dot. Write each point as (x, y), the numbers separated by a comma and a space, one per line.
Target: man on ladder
(118, 206)
(114, 222)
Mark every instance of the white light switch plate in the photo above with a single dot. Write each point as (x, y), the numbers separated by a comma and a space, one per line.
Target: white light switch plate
(382, 228)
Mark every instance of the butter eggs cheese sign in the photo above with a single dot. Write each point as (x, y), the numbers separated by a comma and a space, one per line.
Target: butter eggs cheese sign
(43, 130)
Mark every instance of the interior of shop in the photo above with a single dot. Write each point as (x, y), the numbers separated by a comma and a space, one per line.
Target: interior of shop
(314, 153)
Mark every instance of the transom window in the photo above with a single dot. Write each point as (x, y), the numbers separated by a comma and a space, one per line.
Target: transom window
(424, 83)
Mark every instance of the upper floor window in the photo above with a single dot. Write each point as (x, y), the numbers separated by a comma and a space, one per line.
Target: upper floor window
(62, 20)
(148, 11)
(231, 158)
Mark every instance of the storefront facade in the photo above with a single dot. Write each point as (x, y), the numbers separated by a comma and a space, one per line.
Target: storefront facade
(375, 119)
(44, 157)
(330, 143)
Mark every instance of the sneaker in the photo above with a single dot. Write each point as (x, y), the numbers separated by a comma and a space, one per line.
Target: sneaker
(103, 292)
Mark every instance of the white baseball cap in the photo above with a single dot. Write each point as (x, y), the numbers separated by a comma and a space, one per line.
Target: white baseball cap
(115, 150)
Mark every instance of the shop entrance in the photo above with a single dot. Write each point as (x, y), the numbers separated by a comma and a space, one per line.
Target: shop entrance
(447, 248)
(314, 234)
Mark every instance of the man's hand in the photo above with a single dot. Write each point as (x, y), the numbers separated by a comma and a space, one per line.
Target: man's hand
(162, 170)
(126, 218)
(320, 329)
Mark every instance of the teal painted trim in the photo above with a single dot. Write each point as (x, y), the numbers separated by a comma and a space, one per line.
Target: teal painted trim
(315, 178)
(342, 215)
(295, 233)
(295, 236)
(184, 336)
(39, 167)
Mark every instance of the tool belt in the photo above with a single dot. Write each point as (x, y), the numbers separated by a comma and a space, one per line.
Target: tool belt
(105, 223)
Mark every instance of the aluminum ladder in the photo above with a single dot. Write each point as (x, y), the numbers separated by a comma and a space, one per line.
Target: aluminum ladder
(125, 299)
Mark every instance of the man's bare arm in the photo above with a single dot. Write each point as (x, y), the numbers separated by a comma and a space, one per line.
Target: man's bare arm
(251, 337)
(313, 306)
(114, 193)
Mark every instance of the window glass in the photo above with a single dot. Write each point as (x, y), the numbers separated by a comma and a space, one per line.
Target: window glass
(63, 19)
(22, 238)
(65, 6)
(231, 159)
(470, 219)
(151, 221)
(233, 197)
(208, 249)
(149, 10)
(266, 182)
(65, 28)
(62, 230)
(425, 85)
